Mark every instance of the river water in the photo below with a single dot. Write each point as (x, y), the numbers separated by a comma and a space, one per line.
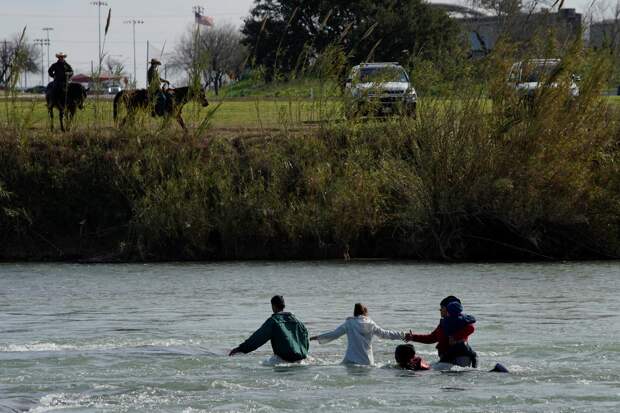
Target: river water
(124, 338)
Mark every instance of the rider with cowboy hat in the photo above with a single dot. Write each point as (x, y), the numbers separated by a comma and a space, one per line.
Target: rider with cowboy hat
(61, 72)
(154, 82)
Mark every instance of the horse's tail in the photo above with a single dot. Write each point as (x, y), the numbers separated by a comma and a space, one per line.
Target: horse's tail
(117, 99)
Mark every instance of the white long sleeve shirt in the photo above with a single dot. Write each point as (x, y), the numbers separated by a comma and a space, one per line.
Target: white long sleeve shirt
(359, 331)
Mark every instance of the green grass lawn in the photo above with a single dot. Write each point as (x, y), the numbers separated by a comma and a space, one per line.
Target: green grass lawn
(301, 88)
(228, 113)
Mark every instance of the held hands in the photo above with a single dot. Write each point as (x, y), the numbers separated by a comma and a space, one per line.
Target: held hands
(409, 336)
(313, 338)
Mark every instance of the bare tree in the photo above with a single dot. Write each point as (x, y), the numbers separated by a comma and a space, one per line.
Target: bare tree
(212, 54)
(114, 66)
(17, 56)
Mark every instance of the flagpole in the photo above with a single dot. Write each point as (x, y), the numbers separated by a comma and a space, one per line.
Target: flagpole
(198, 11)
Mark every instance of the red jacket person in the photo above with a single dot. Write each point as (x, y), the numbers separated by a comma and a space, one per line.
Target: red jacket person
(451, 335)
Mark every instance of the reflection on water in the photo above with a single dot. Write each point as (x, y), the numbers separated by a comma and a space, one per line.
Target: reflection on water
(118, 338)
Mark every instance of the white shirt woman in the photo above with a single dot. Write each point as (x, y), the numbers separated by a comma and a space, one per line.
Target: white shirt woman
(360, 329)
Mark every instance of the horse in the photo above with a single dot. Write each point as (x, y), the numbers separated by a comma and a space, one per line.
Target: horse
(66, 101)
(177, 98)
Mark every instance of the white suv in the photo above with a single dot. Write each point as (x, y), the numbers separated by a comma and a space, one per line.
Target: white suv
(530, 75)
(382, 88)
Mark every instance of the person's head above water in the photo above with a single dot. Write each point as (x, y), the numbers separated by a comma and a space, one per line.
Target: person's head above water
(443, 305)
(277, 303)
(454, 308)
(403, 354)
(360, 309)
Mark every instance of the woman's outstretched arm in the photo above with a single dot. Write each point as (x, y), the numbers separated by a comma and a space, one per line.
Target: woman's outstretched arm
(387, 334)
(330, 335)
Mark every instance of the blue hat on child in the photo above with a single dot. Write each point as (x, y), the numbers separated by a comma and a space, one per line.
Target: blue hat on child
(455, 308)
(448, 300)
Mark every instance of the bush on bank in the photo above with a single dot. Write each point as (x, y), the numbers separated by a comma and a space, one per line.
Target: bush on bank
(461, 182)
(480, 174)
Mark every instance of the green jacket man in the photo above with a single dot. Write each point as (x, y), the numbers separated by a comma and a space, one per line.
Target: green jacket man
(288, 335)
(154, 81)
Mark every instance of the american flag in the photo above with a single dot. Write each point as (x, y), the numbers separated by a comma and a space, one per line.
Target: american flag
(203, 20)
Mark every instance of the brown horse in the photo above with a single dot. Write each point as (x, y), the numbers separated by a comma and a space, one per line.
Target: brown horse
(67, 101)
(177, 98)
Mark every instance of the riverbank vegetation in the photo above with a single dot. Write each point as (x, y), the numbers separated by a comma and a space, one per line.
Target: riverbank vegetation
(481, 173)
(476, 176)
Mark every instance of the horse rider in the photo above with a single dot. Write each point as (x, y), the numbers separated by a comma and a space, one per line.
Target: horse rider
(61, 72)
(156, 94)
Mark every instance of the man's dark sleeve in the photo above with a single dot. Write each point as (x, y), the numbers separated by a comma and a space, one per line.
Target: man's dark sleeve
(260, 337)
(51, 71)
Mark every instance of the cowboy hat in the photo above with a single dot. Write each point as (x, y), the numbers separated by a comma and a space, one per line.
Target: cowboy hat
(61, 55)
(155, 62)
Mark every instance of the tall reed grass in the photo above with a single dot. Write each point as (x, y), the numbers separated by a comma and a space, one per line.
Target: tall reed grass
(477, 175)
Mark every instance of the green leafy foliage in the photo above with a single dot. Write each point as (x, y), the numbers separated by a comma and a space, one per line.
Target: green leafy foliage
(285, 37)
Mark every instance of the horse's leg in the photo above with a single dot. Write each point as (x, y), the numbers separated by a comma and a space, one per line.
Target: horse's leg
(61, 115)
(124, 120)
(51, 112)
(181, 122)
(70, 114)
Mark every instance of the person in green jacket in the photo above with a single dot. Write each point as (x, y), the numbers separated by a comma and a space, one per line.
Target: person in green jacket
(288, 335)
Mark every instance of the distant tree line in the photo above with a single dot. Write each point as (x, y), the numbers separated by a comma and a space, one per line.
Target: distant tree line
(283, 36)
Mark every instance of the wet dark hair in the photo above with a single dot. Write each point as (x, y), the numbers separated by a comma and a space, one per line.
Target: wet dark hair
(403, 355)
(278, 302)
(360, 309)
(449, 299)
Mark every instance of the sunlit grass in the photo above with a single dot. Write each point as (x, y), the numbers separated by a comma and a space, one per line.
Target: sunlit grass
(230, 113)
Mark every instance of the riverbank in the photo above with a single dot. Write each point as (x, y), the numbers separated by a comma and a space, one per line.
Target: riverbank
(460, 182)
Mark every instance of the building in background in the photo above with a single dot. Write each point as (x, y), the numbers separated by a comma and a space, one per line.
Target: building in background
(483, 30)
(605, 34)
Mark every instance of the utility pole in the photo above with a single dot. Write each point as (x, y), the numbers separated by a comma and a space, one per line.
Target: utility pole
(48, 30)
(99, 4)
(133, 22)
(42, 42)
